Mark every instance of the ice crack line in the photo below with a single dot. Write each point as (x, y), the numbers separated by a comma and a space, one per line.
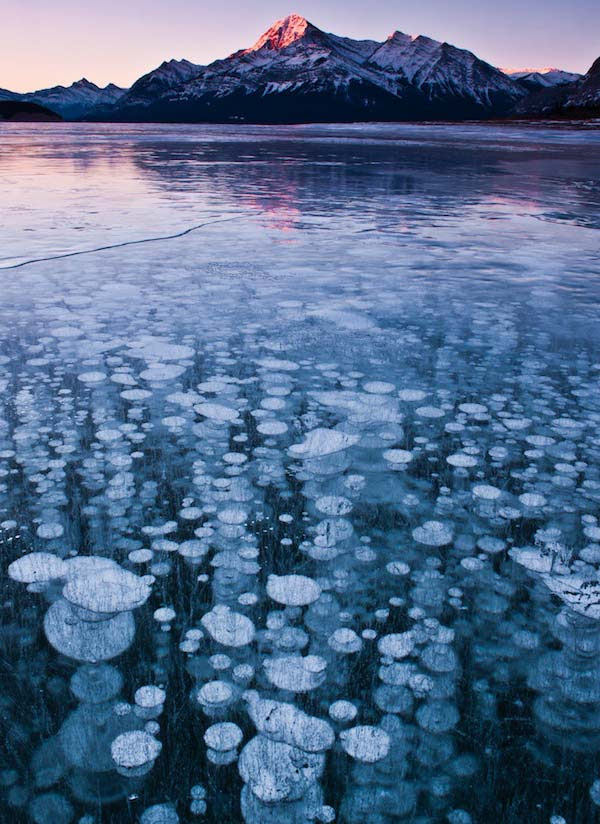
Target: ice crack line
(121, 245)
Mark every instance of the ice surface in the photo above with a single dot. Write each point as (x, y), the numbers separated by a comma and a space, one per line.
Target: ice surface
(316, 480)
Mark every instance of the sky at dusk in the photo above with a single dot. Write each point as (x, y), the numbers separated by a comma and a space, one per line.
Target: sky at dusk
(118, 40)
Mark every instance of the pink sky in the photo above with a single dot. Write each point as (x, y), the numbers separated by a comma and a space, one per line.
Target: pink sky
(118, 40)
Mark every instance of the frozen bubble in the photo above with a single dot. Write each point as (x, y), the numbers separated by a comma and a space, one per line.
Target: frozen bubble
(223, 737)
(96, 683)
(36, 567)
(516, 424)
(185, 399)
(217, 412)
(165, 545)
(276, 772)
(397, 644)
(509, 513)
(164, 615)
(232, 629)
(491, 545)
(190, 513)
(174, 421)
(397, 568)
(430, 412)
(235, 458)
(580, 594)
(149, 696)
(344, 640)
(472, 408)
(592, 532)
(108, 435)
(472, 564)
(162, 529)
(439, 658)
(532, 500)
(233, 515)
(198, 791)
(162, 372)
(193, 550)
(159, 814)
(243, 673)
(321, 442)
(123, 379)
(214, 694)
(334, 505)
(437, 716)
(220, 662)
(398, 456)
(292, 590)
(462, 817)
(412, 395)
(342, 711)
(486, 492)
(277, 365)
(135, 394)
(461, 460)
(92, 377)
(284, 722)
(66, 332)
(134, 749)
(295, 672)
(433, 533)
(140, 556)
(87, 640)
(365, 743)
(49, 531)
(378, 387)
(107, 590)
(51, 808)
(82, 565)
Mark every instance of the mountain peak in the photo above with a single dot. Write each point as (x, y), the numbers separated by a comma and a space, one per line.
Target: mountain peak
(401, 37)
(284, 32)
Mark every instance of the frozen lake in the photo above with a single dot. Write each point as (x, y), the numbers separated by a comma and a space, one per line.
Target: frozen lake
(300, 474)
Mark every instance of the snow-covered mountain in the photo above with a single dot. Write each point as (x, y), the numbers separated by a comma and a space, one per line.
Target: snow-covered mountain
(71, 102)
(295, 72)
(152, 85)
(535, 79)
(580, 98)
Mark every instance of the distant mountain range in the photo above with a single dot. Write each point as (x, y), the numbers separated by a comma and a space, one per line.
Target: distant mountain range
(70, 102)
(580, 98)
(532, 80)
(297, 73)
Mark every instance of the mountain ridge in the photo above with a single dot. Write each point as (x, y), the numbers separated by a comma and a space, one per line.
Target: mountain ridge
(295, 72)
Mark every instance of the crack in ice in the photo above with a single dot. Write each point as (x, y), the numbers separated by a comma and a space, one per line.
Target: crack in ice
(121, 245)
